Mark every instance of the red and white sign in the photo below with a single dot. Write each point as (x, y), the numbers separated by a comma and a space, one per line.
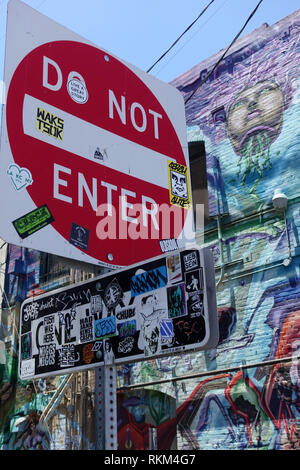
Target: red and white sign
(92, 138)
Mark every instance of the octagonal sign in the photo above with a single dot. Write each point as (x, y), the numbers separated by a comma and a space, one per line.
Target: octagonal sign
(94, 160)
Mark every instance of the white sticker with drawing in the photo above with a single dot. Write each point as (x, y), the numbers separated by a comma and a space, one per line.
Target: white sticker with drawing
(20, 177)
(27, 368)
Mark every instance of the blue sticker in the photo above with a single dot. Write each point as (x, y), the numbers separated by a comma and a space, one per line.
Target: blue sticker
(166, 329)
(148, 281)
(127, 328)
(105, 327)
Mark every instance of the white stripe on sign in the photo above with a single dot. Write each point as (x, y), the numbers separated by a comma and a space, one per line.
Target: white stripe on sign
(61, 129)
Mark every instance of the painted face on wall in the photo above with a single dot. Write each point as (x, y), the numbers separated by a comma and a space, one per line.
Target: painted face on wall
(255, 116)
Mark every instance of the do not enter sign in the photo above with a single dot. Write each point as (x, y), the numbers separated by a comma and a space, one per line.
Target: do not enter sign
(94, 157)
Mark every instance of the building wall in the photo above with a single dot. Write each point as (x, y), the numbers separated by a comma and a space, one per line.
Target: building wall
(246, 395)
(50, 413)
(247, 113)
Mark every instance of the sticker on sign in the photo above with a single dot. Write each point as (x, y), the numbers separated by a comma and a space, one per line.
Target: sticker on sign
(132, 314)
(97, 141)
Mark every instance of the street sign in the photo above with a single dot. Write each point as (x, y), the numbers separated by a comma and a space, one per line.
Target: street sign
(163, 307)
(94, 159)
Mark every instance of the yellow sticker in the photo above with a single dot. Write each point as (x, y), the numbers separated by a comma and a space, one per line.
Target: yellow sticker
(49, 124)
(179, 185)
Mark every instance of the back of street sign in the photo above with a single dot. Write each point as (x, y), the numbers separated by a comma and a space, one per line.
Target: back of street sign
(161, 307)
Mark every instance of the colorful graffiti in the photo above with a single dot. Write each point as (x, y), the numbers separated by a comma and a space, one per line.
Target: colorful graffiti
(22, 403)
(141, 412)
(246, 114)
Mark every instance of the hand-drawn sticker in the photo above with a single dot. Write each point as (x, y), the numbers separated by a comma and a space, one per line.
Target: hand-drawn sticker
(189, 330)
(79, 236)
(48, 330)
(127, 328)
(49, 124)
(179, 185)
(33, 221)
(174, 268)
(113, 294)
(152, 338)
(148, 281)
(86, 329)
(153, 305)
(77, 88)
(190, 261)
(126, 345)
(20, 177)
(27, 368)
(194, 280)
(66, 318)
(169, 244)
(176, 301)
(46, 355)
(68, 356)
(195, 304)
(126, 313)
(96, 305)
(105, 327)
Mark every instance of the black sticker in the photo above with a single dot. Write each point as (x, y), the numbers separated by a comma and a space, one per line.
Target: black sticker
(194, 280)
(33, 221)
(79, 236)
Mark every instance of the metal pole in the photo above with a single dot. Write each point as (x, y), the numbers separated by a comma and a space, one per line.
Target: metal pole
(106, 407)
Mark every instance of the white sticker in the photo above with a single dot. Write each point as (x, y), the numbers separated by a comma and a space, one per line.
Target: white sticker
(20, 177)
(27, 368)
(77, 88)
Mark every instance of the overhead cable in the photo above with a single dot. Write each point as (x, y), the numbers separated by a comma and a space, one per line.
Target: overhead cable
(223, 55)
(178, 39)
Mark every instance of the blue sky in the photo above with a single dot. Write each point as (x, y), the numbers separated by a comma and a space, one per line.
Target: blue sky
(139, 31)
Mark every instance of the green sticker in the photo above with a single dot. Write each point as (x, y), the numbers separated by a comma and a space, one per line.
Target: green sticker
(33, 221)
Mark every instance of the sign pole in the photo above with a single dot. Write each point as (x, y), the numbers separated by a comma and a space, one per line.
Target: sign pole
(152, 309)
(106, 407)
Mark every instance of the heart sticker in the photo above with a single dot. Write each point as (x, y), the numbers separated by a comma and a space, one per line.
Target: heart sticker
(21, 177)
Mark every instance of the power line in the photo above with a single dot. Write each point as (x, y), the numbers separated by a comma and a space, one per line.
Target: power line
(189, 39)
(223, 55)
(178, 39)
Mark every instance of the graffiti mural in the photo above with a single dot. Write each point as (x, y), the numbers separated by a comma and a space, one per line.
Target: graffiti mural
(23, 402)
(246, 114)
(146, 419)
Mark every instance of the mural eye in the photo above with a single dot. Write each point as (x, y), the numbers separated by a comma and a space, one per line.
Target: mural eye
(265, 90)
(238, 104)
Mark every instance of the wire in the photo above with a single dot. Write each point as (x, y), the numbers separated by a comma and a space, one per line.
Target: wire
(185, 31)
(193, 35)
(223, 55)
